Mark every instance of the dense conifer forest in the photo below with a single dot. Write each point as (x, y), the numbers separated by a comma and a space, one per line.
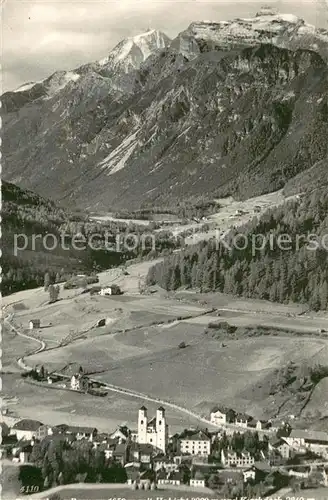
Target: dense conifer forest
(293, 269)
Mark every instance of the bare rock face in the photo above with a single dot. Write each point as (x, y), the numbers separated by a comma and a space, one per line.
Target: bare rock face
(268, 26)
(236, 107)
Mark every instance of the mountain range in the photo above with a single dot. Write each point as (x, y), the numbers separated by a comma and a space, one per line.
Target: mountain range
(237, 107)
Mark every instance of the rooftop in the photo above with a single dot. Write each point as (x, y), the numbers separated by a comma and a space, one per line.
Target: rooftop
(311, 435)
(27, 425)
(142, 448)
(81, 430)
(222, 409)
(197, 436)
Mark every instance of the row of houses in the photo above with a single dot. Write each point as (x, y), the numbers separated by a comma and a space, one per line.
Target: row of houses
(221, 415)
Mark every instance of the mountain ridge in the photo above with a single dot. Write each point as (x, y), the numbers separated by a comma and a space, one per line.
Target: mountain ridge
(242, 120)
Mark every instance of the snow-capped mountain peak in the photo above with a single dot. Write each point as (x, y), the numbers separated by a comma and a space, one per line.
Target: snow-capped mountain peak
(131, 52)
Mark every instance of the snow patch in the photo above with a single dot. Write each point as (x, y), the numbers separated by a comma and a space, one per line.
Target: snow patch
(126, 53)
(60, 80)
(26, 86)
(266, 27)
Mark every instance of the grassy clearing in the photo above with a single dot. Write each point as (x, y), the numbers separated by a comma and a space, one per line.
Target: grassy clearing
(103, 492)
(10, 482)
(13, 346)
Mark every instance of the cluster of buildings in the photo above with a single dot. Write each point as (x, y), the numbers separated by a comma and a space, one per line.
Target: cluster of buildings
(110, 290)
(151, 456)
(221, 415)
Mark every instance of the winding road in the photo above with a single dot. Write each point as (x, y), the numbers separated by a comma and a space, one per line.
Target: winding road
(116, 389)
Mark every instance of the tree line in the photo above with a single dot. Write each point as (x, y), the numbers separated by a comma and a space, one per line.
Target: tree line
(59, 462)
(275, 273)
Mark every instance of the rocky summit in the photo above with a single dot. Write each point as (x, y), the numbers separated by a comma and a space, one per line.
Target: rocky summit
(236, 107)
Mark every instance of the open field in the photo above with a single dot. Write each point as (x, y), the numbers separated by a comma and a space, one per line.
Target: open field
(55, 406)
(138, 350)
(13, 346)
(227, 216)
(104, 492)
(148, 360)
(9, 481)
(80, 314)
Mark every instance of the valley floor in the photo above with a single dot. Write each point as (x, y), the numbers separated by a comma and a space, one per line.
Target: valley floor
(138, 350)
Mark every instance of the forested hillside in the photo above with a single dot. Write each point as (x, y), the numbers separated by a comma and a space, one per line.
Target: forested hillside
(296, 270)
(24, 215)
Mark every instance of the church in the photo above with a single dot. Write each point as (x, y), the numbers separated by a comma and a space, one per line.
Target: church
(153, 431)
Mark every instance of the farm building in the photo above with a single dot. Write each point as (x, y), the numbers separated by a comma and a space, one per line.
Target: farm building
(241, 212)
(79, 382)
(34, 323)
(110, 290)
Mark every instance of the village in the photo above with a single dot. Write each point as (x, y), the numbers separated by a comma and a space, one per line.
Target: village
(243, 455)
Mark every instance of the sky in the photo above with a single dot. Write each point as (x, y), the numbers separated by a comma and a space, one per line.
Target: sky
(40, 37)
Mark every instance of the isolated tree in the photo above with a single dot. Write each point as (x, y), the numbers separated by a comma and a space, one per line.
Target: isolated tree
(53, 293)
(42, 372)
(46, 281)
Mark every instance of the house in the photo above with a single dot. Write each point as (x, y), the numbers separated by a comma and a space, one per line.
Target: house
(106, 445)
(279, 447)
(198, 480)
(153, 431)
(234, 459)
(249, 474)
(58, 429)
(120, 453)
(142, 453)
(259, 425)
(122, 433)
(242, 420)
(82, 432)
(28, 429)
(221, 415)
(34, 323)
(169, 465)
(161, 476)
(262, 469)
(174, 478)
(315, 441)
(110, 290)
(133, 475)
(257, 472)
(79, 382)
(197, 443)
(134, 436)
